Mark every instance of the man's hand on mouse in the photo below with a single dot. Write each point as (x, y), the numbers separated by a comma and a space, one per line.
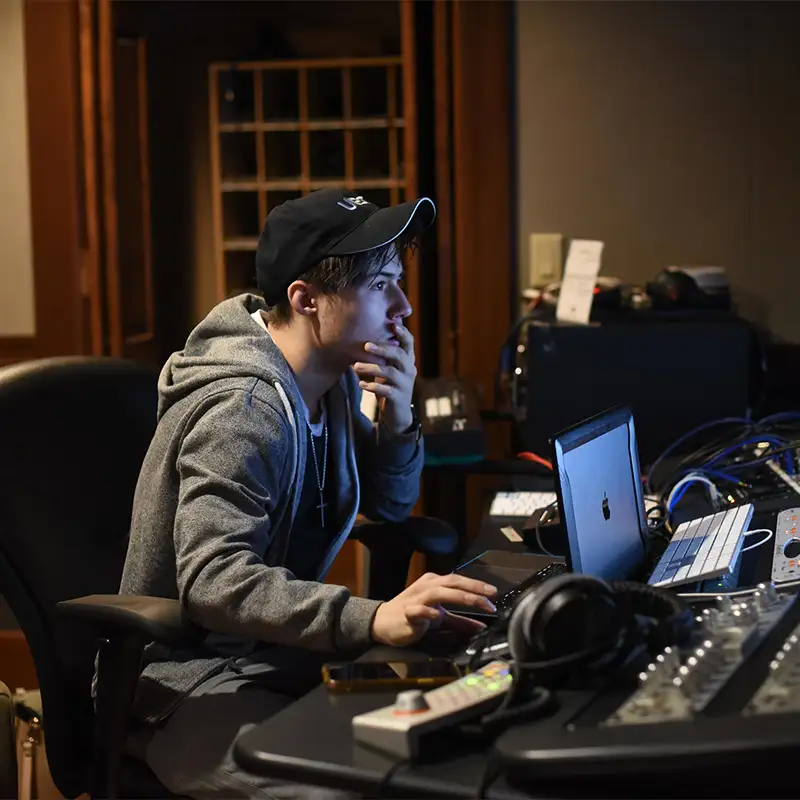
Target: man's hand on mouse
(407, 617)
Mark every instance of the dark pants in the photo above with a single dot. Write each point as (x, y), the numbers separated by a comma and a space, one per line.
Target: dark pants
(391, 545)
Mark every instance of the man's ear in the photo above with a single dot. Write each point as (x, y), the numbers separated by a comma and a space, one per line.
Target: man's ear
(302, 298)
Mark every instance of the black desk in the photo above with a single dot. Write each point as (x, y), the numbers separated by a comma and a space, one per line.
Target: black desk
(311, 740)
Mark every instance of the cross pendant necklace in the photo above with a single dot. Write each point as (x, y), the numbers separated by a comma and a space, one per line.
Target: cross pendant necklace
(321, 479)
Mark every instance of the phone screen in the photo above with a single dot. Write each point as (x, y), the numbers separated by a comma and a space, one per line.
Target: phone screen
(390, 674)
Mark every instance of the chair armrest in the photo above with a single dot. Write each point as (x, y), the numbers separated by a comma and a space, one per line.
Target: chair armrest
(428, 535)
(152, 618)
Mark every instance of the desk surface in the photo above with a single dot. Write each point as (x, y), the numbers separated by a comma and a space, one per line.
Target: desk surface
(311, 741)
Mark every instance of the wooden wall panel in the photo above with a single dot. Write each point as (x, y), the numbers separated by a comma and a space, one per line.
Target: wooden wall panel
(472, 42)
(16, 663)
(16, 348)
(443, 138)
(481, 163)
(53, 76)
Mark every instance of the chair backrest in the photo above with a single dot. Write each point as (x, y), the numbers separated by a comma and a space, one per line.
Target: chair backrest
(73, 434)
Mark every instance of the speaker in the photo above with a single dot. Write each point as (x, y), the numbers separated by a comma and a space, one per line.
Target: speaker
(674, 375)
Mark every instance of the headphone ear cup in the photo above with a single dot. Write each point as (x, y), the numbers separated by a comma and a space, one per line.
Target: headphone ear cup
(519, 624)
(577, 619)
(534, 625)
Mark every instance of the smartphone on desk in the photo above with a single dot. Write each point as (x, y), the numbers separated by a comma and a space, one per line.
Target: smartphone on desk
(395, 675)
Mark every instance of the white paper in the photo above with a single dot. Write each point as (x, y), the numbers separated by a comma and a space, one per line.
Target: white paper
(511, 533)
(580, 278)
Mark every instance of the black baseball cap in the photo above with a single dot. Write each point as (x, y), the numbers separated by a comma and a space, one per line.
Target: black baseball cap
(300, 233)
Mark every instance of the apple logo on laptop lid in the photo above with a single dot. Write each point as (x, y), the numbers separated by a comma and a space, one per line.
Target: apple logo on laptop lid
(606, 507)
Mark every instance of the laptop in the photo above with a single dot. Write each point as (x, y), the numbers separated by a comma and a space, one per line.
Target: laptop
(600, 496)
(601, 503)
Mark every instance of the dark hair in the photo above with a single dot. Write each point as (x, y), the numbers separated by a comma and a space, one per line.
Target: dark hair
(335, 273)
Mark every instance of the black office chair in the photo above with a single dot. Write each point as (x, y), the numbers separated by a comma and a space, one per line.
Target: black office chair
(73, 434)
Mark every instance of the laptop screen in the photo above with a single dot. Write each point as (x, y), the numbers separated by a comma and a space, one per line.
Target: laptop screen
(600, 495)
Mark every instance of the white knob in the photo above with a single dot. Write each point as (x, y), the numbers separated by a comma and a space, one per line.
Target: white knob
(761, 601)
(724, 604)
(410, 701)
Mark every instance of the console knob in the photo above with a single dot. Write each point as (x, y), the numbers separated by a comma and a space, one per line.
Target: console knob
(724, 604)
(710, 619)
(792, 548)
(761, 600)
(771, 592)
(410, 702)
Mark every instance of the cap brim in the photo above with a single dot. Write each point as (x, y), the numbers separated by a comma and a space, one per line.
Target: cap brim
(386, 225)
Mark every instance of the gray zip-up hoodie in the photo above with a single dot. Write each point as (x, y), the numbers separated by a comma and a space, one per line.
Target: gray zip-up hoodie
(216, 500)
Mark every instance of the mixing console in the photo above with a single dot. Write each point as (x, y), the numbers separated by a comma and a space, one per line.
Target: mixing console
(730, 698)
(780, 692)
(678, 686)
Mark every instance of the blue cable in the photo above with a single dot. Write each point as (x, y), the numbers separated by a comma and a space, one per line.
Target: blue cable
(768, 420)
(717, 473)
(733, 448)
(682, 439)
(681, 493)
(780, 416)
(752, 462)
(709, 473)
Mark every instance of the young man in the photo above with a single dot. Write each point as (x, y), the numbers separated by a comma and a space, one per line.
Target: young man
(258, 468)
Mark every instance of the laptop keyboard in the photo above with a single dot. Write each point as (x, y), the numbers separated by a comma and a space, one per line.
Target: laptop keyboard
(506, 601)
(703, 548)
(519, 504)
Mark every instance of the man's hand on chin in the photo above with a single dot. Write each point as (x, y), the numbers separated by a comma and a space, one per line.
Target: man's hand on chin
(392, 382)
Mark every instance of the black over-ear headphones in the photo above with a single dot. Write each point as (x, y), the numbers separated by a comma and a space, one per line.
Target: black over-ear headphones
(578, 622)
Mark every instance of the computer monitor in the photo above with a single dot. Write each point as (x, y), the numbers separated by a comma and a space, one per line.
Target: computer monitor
(600, 495)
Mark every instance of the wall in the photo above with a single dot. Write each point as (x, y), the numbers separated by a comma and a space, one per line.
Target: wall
(17, 315)
(669, 130)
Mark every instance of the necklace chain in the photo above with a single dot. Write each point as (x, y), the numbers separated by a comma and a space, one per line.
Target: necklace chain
(320, 480)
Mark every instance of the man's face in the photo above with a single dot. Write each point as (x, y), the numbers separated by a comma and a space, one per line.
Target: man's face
(361, 314)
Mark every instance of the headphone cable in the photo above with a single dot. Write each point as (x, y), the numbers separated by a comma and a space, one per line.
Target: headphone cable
(491, 773)
(385, 783)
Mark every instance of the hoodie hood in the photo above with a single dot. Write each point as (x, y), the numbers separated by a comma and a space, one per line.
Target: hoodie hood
(225, 345)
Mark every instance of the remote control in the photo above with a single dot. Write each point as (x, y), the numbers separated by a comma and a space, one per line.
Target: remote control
(397, 728)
